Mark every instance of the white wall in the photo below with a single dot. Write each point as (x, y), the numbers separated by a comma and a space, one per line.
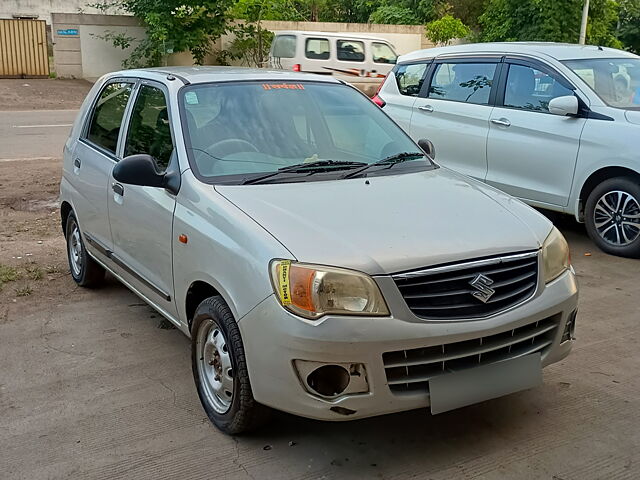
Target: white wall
(98, 60)
(44, 8)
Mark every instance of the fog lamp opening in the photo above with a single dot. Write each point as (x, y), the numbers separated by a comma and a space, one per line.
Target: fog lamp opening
(328, 380)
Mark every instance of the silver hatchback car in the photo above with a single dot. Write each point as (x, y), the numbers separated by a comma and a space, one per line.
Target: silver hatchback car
(320, 261)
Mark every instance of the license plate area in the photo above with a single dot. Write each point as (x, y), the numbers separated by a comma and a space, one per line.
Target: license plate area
(459, 389)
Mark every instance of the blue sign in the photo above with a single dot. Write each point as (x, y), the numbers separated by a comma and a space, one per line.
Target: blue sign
(69, 32)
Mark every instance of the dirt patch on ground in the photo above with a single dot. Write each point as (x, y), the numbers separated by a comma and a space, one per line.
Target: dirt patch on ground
(42, 94)
(33, 265)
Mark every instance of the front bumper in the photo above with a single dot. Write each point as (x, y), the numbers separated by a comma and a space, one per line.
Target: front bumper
(273, 338)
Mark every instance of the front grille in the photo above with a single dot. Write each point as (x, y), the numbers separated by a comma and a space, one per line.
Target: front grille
(410, 370)
(445, 292)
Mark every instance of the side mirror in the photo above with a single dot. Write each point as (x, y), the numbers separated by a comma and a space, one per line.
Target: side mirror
(427, 147)
(138, 170)
(567, 105)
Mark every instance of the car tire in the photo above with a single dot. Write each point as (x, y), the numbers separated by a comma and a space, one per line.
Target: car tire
(612, 216)
(220, 370)
(85, 271)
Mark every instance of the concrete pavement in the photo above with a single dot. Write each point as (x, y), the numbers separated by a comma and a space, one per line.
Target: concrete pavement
(34, 134)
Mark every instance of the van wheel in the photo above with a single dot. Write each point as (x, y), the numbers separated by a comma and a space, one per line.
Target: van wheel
(612, 216)
(85, 271)
(220, 370)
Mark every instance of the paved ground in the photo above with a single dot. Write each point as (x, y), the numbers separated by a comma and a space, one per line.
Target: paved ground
(92, 385)
(34, 133)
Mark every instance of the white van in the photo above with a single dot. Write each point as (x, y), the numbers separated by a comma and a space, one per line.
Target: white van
(360, 60)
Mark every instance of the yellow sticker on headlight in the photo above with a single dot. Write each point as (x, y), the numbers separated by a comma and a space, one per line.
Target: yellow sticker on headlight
(283, 282)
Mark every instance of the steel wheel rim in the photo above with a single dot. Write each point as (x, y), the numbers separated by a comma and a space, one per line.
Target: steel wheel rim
(75, 249)
(214, 366)
(616, 218)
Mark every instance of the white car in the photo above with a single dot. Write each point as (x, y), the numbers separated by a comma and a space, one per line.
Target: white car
(555, 125)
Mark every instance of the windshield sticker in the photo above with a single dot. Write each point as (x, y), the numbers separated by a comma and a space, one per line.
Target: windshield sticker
(191, 98)
(283, 86)
(283, 282)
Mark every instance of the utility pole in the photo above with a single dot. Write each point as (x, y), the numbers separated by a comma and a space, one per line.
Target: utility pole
(583, 25)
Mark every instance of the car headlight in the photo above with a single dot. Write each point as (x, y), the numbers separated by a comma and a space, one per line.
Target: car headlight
(312, 291)
(555, 255)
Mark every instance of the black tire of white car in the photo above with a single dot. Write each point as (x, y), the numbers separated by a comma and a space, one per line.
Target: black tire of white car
(243, 414)
(611, 211)
(85, 271)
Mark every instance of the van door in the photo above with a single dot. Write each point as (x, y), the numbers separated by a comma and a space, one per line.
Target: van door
(93, 159)
(453, 112)
(316, 52)
(141, 218)
(532, 153)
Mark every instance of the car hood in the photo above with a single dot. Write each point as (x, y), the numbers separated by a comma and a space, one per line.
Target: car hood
(388, 224)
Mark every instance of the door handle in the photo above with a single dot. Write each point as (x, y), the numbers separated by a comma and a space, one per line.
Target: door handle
(426, 108)
(77, 163)
(501, 121)
(119, 189)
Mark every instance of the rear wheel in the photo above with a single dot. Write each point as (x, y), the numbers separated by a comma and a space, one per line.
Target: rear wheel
(612, 216)
(220, 370)
(85, 271)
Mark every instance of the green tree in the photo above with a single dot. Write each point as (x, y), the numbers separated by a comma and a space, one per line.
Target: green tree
(548, 20)
(393, 15)
(442, 31)
(171, 26)
(629, 29)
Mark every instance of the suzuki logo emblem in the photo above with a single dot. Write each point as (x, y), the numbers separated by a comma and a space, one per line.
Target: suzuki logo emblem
(482, 283)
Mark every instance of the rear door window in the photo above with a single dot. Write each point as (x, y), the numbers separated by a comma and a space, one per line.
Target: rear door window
(410, 77)
(382, 53)
(317, 49)
(284, 46)
(149, 131)
(350, 50)
(463, 82)
(106, 117)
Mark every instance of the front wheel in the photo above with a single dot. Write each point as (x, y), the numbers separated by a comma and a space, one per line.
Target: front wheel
(220, 370)
(612, 216)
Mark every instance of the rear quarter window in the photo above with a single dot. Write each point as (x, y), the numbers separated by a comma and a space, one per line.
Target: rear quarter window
(410, 77)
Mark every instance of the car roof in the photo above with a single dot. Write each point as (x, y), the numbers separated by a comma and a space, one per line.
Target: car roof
(350, 36)
(208, 74)
(558, 51)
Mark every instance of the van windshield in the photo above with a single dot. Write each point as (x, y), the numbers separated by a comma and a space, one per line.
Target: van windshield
(615, 80)
(236, 131)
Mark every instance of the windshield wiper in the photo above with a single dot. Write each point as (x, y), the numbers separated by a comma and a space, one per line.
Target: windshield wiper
(308, 167)
(391, 161)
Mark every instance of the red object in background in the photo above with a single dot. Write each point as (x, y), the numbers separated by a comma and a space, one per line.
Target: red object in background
(296, 67)
(376, 98)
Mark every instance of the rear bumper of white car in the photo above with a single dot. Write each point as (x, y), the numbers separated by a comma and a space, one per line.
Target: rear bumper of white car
(276, 342)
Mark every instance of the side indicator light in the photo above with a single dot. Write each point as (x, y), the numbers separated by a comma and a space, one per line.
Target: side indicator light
(182, 238)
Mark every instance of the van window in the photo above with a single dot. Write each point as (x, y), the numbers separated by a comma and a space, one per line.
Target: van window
(463, 82)
(350, 50)
(409, 78)
(317, 49)
(284, 46)
(382, 53)
(106, 118)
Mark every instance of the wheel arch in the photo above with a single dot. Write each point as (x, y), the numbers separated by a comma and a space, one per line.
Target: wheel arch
(198, 291)
(598, 177)
(65, 210)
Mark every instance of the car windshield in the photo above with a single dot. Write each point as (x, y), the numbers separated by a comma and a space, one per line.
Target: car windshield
(615, 80)
(237, 132)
